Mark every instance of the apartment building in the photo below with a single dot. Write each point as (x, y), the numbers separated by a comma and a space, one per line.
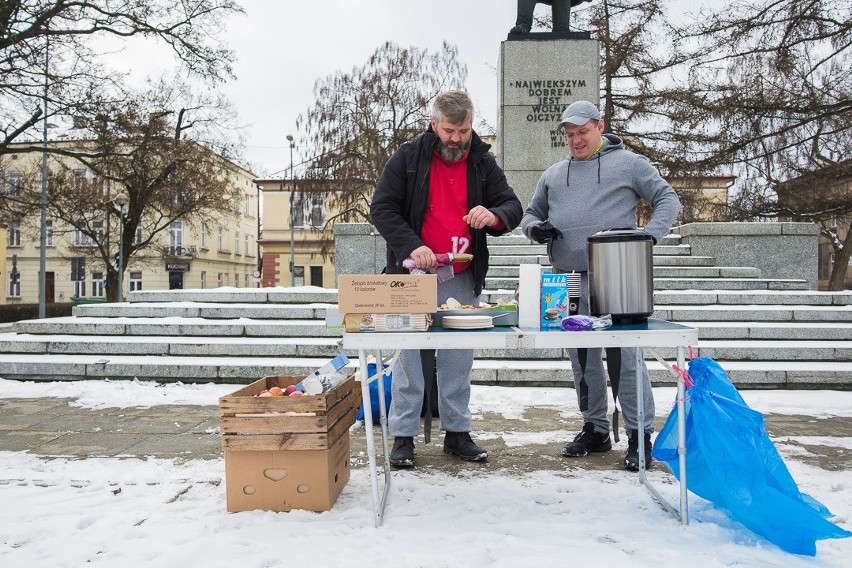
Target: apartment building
(207, 251)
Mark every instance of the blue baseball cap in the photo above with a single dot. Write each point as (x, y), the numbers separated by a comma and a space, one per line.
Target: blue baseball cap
(579, 113)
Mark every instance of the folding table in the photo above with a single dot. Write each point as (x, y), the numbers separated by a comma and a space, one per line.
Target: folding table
(647, 335)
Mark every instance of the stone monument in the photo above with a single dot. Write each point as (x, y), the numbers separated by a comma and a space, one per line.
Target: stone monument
(539, 74)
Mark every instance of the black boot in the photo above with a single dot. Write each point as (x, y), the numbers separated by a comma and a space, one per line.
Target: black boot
(631, 459)
(586, 442)
(402, 454)
(460, 444)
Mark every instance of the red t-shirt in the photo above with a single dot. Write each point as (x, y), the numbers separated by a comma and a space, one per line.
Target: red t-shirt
(444, 228)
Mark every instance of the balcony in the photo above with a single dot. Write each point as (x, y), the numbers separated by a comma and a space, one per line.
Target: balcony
(180, 252)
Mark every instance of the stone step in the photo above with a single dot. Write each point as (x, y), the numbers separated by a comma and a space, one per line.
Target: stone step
(192, 327)
(752, 297)
(706, 272)
(754, 350)
(663, 274)
(756, 284)
(275, 295)
(793, 313)
(672, 250)
(755, 374)
(516, 260)
(300, 347)
(207, 311)
(763, 330)
(511, 269)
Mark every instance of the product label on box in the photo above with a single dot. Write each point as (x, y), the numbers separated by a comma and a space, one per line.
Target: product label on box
(388, 293)
(554, 301)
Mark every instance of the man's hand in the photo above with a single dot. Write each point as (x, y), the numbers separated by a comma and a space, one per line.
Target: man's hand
(480, 217)
(424, 258)
(545, 232)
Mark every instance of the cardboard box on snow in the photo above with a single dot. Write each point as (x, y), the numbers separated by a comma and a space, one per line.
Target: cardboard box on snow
(282, 480)
(284, 453)
(387, 293)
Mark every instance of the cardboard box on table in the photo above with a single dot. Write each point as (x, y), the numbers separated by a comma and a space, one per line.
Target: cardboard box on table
(278, 462)
(387, 293)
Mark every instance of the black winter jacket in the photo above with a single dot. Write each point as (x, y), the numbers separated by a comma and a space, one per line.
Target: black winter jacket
(399, 205)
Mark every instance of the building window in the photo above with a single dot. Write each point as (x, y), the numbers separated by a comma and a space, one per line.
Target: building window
(316, 276)
(308, 210)
(298, 276)
(137, 238)
(80, 239)
(48, 232)
(298, 210)
(15, 284)
(204, 235)
(10, 183)
(221, 242)
(236, 280)
(248, 248)
(13, 235)
(135, 281)
(78, 275)
(98, 230)
(247, 211)
(236, 242)
(98, 284)
(219, 281)
(203, 280)
(176, 238)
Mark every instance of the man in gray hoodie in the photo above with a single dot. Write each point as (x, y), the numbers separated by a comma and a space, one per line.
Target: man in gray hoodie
(598, 187)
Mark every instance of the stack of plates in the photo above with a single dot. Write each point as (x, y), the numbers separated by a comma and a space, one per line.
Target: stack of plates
(467, 322)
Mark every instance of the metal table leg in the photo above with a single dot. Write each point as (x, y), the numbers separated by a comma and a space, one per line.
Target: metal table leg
(643, 479)
(378, 503)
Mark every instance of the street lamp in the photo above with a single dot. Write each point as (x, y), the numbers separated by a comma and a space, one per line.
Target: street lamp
(42, 261)
(121, 201)
(292, 233)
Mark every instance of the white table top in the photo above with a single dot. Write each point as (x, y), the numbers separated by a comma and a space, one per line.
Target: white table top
(653, 333)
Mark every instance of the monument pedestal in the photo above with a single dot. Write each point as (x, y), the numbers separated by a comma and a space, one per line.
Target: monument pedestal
(539, 77)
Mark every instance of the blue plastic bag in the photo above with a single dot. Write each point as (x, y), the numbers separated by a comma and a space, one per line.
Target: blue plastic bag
(732, 463)
(374, 395)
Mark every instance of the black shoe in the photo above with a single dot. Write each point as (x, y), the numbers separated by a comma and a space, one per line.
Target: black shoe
(403, 452)
(460, 444)
(586, 442)
(631, 459)
(519, 30)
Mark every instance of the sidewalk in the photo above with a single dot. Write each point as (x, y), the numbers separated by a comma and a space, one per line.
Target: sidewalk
(50, 427)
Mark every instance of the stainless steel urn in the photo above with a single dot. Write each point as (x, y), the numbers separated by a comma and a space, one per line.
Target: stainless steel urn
(621, 275)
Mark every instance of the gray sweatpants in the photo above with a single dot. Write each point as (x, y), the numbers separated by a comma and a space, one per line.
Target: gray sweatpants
(453, 366)
(590, 382)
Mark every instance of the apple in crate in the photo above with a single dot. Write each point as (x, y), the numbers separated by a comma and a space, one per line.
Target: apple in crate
(289, 390)
(276, 391)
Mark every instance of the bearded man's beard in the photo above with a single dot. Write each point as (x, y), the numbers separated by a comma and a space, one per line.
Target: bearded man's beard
(452, 154)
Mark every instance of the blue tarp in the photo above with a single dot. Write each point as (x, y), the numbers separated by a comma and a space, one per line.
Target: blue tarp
(732, 463)
(374, 395)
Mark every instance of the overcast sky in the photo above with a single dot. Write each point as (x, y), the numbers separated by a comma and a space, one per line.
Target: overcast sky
(282, 48)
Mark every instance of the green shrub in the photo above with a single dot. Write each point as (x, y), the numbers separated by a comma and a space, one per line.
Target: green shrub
(18, 312)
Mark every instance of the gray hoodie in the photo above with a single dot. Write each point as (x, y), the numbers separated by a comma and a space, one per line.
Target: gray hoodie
(582, 197)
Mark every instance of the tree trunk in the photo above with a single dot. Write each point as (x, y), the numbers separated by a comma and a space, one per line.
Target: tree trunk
(837, 280)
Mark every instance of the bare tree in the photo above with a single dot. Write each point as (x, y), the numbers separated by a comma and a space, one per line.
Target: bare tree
(361, 117)
(45, 50)
(771, 96)
(146, 150)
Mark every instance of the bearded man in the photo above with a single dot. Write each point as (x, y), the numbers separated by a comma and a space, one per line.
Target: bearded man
(442, 192)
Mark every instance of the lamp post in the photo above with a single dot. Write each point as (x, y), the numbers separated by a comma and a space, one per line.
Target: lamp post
(292, 233)
(121, 201)
(42, 260)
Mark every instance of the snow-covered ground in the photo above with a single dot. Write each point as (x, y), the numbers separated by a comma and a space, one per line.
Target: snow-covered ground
(164, 513)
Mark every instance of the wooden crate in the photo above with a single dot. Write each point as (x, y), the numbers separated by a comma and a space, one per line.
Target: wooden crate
(256, 423)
